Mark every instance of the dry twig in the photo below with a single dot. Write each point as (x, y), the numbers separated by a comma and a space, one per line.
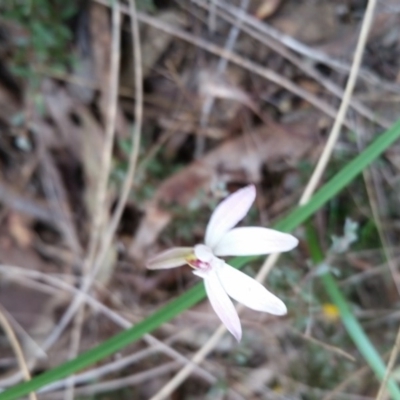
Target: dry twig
(389, 368)
(8, 330)
(101, 204)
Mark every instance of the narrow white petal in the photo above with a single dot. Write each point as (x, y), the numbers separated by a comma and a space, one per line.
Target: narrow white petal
(249, 241)
(171, 258)
(249, 292)
(228, 213)
(222, 304)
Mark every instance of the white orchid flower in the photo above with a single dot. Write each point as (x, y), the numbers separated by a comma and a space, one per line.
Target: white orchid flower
(220, 279)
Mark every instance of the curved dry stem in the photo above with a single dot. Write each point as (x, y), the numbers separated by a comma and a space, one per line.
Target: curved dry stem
(389, 368)
(344, 105)
(101, 206)
(12, 338)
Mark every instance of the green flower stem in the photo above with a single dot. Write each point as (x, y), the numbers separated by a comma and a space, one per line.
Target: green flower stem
(353, 327)
(193, 296)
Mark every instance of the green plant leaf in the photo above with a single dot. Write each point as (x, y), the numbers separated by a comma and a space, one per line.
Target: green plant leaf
(353, 327)
(194, 295)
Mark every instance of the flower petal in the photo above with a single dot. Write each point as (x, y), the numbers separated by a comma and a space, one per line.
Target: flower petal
(228, 213)
(203, 253)
(249, 241)
(222, 304)
(171, 258)
(249, 292)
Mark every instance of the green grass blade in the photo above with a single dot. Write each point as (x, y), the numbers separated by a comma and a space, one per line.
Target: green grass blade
(353, 327)
(111, 345)
(341, 179)
(357, 334)
(191, 297)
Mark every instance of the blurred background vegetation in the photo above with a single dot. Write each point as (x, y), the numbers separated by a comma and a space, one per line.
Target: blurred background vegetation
(209, 128)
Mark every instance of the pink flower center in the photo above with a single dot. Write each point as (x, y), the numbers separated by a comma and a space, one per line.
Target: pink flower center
(200, 265)
(201, 259)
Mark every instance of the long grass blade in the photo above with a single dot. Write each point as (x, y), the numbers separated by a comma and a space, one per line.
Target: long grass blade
(193, 296)
(353, 327)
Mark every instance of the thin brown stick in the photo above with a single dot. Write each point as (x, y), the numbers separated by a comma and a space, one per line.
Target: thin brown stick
(369, 176)
(119, 383)
(344, 105)
(359, 374)
(389, 368)
(101, 204)
(137, 129)
(12, 338)
(326, 346)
